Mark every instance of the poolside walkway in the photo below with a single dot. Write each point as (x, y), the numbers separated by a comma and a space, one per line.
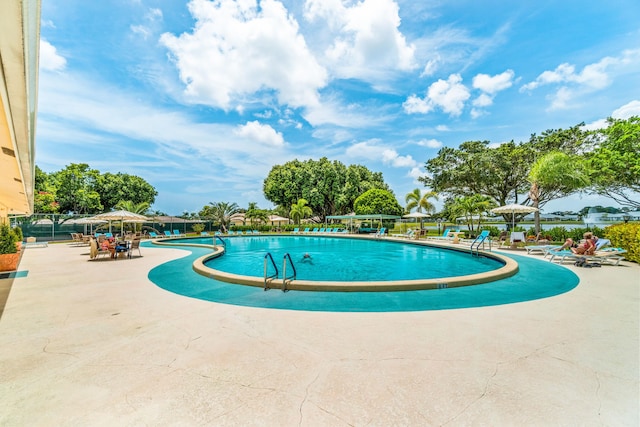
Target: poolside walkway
(97, 344)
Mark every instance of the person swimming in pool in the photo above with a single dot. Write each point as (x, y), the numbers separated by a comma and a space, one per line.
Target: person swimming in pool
(306, 258)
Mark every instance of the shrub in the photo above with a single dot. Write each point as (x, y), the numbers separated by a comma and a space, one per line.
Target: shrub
(18, 232)
(8, 240)
(625, 236)
(198, 228)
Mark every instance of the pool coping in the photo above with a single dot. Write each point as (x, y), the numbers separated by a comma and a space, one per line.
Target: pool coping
(509, 269)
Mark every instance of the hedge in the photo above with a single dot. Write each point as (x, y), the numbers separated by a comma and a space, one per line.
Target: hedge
(625, 236)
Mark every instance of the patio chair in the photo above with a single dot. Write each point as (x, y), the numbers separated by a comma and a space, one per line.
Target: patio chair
(96, 251)
(134, 245)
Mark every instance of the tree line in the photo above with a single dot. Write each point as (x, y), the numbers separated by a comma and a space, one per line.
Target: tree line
(471, 179)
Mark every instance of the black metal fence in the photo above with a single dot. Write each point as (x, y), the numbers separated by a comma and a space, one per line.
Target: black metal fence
(57, 227)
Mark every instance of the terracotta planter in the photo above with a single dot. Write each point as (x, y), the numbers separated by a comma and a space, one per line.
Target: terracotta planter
(9, 262)
(19, 246)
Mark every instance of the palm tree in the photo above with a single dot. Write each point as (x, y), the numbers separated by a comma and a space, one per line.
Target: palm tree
(221, 212)
(552, 176)
(139, 208)
(471, 205)
(416, 199)
(300, 210)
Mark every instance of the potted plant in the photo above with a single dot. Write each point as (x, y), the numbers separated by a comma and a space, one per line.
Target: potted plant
(19, 236)
(9, 255)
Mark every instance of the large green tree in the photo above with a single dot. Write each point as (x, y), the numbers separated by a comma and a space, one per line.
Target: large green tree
(501, 172)
(377, 201)
(614, 162)
(76, 192)
(44, 200)
(118, 187)
(329, 187)
(553, 176)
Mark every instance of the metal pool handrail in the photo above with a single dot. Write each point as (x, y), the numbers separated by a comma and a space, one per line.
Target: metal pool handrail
(284, 271)
(275, 275)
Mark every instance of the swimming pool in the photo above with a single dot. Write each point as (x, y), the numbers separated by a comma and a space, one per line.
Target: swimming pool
(347, 259)
(534, 279)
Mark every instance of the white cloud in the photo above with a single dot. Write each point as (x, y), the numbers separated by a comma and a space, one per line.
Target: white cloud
(493, 84)
(449, 95)
(591, 78)
(49, 57)
(630, 109)
(365, 40)
(416, 173)
(430, 143)
(489, 86)
(415, 104)
(258, 132)
(484, 100)
(391, 157)
(152, 20)
(373, 150)
(238, 49)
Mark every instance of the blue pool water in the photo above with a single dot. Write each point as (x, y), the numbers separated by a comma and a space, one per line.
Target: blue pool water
(338, 259)
(535, 279)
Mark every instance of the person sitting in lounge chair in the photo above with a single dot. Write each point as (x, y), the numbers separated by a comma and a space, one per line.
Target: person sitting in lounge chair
(586, 247)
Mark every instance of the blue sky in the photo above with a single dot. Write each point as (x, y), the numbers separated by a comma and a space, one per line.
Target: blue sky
(203, 98)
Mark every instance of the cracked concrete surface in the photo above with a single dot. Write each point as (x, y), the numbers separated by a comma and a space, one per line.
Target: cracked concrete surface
(98, 344)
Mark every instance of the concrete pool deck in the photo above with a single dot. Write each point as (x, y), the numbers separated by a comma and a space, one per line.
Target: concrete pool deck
(96, 343)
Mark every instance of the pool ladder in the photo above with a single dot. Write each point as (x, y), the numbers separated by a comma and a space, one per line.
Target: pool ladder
(221, 240)
(480, 241)
(268, 257)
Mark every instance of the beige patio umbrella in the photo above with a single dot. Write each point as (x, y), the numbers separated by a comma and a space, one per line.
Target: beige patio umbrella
(121, 216)
(418, 215)
(278, 219)
(513, 209)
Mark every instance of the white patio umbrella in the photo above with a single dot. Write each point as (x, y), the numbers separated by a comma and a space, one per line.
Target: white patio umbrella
(417, 214)
(120, 215)
(277, 218)
(90, 221)
(513, 209)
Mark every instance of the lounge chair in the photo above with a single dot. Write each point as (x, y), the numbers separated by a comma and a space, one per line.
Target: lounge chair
(445, 235)
(321, 230)
(295, 231)
(168, 233)
(315, 230)
(177, 233)
(306, 230)
(204, 234)
(382, 232)
(153, 235)
(255, 232)
(409, 234)
(605, 256)
(541, 249)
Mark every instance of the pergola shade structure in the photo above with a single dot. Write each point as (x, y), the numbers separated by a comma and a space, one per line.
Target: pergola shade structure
(19, 50)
